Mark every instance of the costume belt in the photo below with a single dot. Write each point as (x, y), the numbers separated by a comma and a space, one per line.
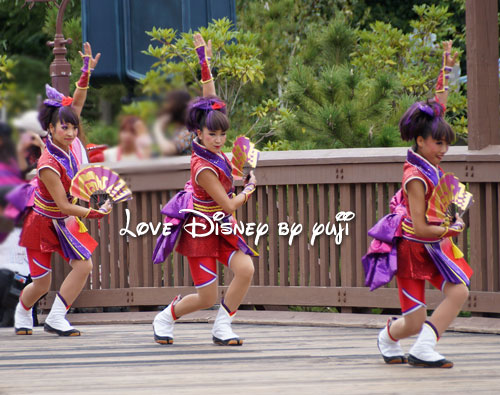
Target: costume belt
(47, 208)
(409, 233)
(208, 207)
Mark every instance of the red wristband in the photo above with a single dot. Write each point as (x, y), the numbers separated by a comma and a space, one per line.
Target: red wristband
(206, 75)
(83, 82)
(95, 214)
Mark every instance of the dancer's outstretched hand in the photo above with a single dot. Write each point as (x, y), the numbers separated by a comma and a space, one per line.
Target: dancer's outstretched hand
(87, 49)
(447, 48)
(199, 41)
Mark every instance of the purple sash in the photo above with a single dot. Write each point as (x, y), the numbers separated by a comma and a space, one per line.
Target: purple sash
(381, 261)
(166, 244)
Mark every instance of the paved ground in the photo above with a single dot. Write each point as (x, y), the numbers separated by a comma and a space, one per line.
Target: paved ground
(290, 359)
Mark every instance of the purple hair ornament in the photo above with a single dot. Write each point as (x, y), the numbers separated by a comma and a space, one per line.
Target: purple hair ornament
(206, 105)
(56, 98)
(427, 109)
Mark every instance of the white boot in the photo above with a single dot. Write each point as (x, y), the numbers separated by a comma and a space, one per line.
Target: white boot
(23, 320)
(389, 347)
(163, 324)
(56, 321)
(422, 353)
(222, 332)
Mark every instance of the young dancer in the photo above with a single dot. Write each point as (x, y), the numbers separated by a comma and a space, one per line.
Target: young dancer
(424, 246)
(49, 226)
(211, 188)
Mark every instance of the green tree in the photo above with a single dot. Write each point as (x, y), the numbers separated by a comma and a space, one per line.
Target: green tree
(7, 86)
(413, 58)
(24, 41)
(280, 26)
(334, 105)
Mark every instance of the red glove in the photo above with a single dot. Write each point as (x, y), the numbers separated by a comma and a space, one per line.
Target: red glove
(83, 82)
(206, 75)
(96, 152)
(453, 230)
(96, 214)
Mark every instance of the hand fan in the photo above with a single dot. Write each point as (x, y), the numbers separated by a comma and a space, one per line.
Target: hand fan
(448, 197)
(98, 183)
(243, 152)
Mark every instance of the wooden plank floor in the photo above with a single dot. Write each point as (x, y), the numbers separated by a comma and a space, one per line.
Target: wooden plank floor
(123, 359)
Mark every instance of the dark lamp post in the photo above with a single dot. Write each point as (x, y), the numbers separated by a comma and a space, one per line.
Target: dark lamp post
(60, 69)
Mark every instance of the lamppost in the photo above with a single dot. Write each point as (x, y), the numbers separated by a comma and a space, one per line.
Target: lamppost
(60, 69)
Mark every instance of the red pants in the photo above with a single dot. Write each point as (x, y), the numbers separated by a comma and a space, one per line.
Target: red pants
(39, 262)
(412, 292)
(204, 269)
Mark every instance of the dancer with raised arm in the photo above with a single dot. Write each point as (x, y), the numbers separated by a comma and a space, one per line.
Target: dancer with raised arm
(210, 192)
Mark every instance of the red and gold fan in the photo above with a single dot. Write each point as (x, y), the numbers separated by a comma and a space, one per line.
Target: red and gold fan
(448, 197)
(99, 183)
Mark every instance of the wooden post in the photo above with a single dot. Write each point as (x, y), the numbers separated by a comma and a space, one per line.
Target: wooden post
(482, 73)
(60, 69)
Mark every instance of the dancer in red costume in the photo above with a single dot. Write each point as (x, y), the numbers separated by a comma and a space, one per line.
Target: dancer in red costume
(426, 249)
(52, 225)
(210, 191)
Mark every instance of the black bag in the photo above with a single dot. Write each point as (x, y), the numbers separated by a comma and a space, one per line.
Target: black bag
(11, 285)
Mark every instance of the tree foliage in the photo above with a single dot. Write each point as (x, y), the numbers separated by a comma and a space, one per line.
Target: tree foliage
(256, 61)
(25, 33)
(281, 26)
(372, 49)
(334, 105)
(7, 85)
(414, 57)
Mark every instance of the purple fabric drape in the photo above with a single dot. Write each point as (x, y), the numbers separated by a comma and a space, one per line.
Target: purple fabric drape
(381, 261)
(166, 244)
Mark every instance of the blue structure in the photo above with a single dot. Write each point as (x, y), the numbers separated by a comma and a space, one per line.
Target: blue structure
(116, 28)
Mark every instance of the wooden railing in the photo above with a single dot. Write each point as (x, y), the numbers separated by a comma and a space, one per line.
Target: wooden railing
(303, 187)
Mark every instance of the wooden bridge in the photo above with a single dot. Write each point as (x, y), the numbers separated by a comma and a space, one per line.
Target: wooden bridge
(337, 355)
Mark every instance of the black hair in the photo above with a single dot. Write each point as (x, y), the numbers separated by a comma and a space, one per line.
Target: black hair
(209, 112)
(50, 115)
(425, 119)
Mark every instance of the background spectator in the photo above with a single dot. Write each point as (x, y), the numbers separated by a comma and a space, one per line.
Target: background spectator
(170, 130)
(30, 145)
(134, 141)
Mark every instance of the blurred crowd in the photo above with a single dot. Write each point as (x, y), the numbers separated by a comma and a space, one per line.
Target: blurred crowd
(168, 136)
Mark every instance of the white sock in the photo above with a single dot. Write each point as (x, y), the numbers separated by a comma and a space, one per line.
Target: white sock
(222, 326)
(57, 316)
(423, 348)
